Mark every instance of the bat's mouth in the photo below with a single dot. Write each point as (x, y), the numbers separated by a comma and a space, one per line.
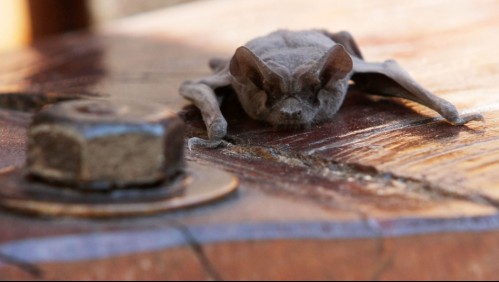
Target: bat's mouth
(292, 123)
(292, 126)
(291, 112)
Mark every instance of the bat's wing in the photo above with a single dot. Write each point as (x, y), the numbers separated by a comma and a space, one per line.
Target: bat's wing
(218, 64)
(346, 39)
(390, 79)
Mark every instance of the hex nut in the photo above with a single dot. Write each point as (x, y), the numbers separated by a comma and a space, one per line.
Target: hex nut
(102, 144)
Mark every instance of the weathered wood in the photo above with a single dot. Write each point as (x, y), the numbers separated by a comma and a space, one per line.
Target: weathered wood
(414, 258)
(312, 203)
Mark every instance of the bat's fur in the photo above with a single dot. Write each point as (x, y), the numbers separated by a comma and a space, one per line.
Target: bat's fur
(297, 78)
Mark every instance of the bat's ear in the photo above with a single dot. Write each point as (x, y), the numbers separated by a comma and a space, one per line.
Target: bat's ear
(334, 65)
(245, 65)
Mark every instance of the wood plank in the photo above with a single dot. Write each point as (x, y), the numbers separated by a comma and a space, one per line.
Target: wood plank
(415, 258)
(382, 168)
(390, 138)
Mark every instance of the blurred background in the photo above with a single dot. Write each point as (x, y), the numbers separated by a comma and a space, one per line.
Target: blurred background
(25, 21)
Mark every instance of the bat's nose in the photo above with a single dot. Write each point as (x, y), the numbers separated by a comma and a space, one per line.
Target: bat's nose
(291, 113)
(291, 109)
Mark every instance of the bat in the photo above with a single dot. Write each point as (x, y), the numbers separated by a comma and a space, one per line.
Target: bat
(298, 78)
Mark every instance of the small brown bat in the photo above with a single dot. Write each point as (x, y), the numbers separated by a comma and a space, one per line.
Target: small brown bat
(299, 78)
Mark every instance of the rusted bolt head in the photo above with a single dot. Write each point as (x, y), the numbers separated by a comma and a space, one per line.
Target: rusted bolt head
(101, 144)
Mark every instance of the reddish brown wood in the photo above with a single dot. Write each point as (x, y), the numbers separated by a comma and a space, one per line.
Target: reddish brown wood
(415, 258)
(174, 264)
(312, 203)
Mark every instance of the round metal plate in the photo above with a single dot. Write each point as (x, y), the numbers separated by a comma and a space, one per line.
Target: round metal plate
(199, 185)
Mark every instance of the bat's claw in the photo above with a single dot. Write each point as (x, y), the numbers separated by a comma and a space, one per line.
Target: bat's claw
(464, 119)
(209, 144)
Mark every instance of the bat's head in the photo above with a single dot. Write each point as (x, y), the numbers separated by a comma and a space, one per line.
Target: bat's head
(291, 98)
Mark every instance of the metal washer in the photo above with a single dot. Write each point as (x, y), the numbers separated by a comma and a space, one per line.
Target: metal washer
(199, 185)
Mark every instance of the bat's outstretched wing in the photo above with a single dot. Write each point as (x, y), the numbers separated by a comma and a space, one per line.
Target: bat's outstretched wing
(346, 39)
(390, 79)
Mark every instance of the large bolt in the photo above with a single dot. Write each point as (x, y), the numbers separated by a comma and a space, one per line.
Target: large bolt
(101, 144)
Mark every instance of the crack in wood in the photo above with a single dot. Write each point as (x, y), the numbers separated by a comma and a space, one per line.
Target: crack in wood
(382, 267)
(367, 181)
(197, 248)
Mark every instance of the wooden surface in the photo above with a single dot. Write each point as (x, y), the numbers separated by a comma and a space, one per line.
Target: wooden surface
(385, 191)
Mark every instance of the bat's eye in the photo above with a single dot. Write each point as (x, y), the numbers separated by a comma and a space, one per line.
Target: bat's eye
(315, 88)
(273, 97)
(311, 93)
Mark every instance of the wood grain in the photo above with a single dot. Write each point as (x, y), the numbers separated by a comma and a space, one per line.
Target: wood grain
(313, 203)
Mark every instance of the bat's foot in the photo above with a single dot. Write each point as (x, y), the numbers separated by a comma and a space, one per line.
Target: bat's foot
(209, 144)
(464, 119)
(217, 130)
